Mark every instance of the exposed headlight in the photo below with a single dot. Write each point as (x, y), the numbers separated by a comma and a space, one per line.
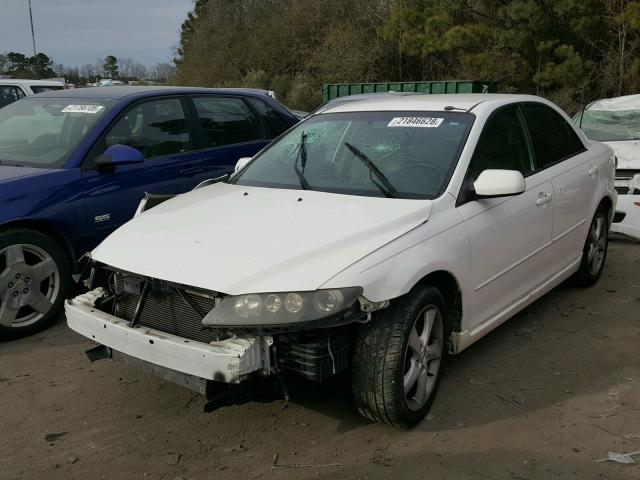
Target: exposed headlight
(273, 303)
(328, 300)
(293, 303)
(247, 306)
(281, 307)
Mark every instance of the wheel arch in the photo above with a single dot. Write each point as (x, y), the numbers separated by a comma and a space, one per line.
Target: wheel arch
(448, 285)
(47, 229)
(607, 202)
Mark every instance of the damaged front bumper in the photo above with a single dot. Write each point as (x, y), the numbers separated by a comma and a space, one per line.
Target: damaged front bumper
(626, 220)
(230, 361)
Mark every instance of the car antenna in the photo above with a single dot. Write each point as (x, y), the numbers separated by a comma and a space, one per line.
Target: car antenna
(451, 107)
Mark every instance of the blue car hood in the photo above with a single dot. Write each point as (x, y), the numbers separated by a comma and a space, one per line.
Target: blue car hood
(11, 173)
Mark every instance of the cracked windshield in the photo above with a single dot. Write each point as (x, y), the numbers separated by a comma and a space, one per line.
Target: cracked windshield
(391, 154)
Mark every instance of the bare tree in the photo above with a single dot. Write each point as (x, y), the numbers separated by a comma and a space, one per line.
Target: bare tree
(138, 71)
(125, 65)
(161, 72)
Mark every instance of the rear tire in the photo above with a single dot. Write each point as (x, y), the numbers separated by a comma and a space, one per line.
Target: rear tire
(594, 252)
(398, 358)
(35, 278)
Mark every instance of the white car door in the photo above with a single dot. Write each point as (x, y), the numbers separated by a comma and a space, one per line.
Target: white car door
(509, 236)
(574, 176)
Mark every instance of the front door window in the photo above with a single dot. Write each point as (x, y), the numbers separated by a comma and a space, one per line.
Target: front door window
(157, 128)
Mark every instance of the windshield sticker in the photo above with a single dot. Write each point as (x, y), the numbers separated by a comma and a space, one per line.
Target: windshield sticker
(92, 109)
(421, 122)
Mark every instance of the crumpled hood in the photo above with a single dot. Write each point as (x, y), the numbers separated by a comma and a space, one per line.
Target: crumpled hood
(236, 239)
(628, 153)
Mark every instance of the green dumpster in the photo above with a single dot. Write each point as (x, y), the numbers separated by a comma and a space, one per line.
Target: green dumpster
(331, 91)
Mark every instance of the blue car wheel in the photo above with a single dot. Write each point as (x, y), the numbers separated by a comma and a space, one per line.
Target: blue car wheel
(34, 281)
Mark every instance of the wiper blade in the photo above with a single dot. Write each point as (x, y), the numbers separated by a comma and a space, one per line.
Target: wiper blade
(302, 157)
(384, 186)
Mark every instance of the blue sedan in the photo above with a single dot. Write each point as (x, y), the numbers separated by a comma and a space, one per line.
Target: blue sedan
(74, 165)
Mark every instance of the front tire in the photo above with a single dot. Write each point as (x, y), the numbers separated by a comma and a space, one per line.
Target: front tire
(35, 278)
(398, 358)
(594, 252)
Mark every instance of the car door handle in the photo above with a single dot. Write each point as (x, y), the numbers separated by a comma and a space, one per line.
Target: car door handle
(543, 198)
(191, 170)
(593, 170)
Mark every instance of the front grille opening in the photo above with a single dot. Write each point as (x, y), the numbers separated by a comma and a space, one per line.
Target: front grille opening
(165, 310)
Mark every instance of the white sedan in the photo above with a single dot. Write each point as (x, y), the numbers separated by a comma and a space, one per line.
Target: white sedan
(377, 236)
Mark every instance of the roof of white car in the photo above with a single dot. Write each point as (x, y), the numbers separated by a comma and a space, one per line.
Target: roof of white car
(416, 101)
(627, 102)
(21, 81)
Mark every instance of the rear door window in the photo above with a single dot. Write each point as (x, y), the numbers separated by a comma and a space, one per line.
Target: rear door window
(553, 138)
(157, 128)
(272, 119)
(226, 121)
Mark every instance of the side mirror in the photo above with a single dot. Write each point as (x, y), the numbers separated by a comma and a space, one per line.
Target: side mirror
(499, 183)
(240, 164)
(119, 155)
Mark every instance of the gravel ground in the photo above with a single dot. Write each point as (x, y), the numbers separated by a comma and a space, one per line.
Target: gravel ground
(542, 397)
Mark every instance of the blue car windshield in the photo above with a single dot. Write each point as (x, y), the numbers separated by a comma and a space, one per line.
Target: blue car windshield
(42, 132)
(401, 154)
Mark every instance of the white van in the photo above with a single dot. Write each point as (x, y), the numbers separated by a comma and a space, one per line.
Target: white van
(13, 89)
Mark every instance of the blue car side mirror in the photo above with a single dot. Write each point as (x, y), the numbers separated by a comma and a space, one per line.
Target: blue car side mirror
(119, 155)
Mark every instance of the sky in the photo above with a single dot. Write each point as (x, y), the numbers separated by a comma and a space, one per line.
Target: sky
(76, 32)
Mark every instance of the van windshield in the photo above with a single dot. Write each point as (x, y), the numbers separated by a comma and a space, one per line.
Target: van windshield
(404, 154)
(42, 132)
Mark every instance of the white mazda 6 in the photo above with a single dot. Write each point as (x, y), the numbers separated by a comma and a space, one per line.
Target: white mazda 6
(376, 237)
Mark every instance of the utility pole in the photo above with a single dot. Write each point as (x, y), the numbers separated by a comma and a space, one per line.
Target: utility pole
(33, 35)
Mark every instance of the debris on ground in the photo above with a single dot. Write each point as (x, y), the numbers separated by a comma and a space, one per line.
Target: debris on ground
(626, 458)
(173, 458)
(275, 465)
(52, 437)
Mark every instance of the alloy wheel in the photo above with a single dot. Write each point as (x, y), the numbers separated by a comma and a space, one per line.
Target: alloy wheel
(29, 284)
(423, 357)
(597, 244)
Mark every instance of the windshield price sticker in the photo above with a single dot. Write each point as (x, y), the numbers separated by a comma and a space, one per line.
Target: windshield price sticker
(92, 109)
(420, 122)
